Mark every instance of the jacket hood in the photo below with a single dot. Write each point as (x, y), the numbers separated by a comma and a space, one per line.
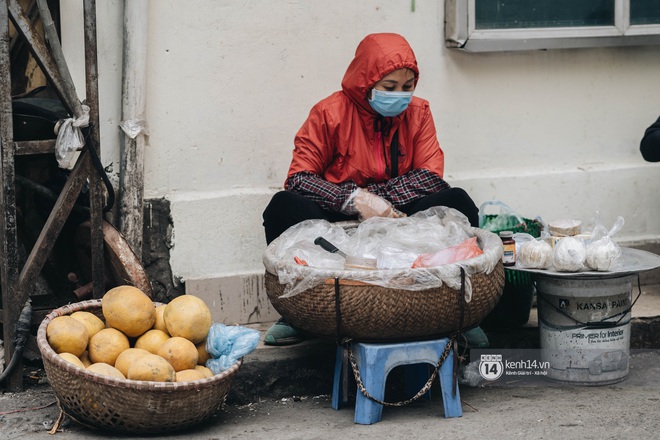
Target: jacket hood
(376, 56)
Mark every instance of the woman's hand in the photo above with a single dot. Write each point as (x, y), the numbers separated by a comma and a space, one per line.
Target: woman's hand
(369, 205)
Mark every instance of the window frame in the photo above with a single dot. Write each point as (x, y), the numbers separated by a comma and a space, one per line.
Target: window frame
(461, 32)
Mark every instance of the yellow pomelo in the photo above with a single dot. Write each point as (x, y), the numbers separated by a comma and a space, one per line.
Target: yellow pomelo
(127, 357)
(73, 359)
(129, 310)
(106, 345)
(189, 375)
(189, 317)
(159, 324)
(202, 354)
(67, 335)
(84, 358)
(105, 369)
(151, 367)
(179, 352)
(152, 340)
(93, 323)
(205, 370)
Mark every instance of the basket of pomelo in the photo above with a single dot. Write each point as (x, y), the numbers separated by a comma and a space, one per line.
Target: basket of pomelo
(128, 364)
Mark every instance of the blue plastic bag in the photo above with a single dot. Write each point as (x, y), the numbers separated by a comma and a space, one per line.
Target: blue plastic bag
(227, 344)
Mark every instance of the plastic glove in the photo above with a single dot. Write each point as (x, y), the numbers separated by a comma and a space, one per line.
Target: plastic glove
(368, 205)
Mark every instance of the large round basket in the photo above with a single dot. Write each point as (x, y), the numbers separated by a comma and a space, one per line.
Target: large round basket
(128, 406)
(340, 307)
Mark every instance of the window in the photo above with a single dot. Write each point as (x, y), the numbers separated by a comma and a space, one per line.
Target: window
(498, 25)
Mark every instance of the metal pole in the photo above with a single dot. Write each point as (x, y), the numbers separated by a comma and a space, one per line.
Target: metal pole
(134, 86)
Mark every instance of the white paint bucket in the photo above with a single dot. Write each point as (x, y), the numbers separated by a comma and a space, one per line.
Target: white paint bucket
(584, 325)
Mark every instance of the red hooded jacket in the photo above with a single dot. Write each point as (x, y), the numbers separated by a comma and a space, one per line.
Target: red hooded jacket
(340, 142)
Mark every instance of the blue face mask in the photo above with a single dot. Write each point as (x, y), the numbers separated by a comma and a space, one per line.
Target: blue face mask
(389, 103)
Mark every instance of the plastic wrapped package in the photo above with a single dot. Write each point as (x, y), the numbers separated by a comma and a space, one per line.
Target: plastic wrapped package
(532, 253)
(227, 344)
(603, 254)
(460, 252)
(569, 254)
(441, 227)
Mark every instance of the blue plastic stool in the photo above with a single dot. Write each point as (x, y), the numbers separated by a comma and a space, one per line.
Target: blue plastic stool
(375, 361)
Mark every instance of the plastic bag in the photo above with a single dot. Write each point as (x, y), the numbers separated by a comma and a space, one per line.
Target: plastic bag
(368, 205)
(227, 344)
(532, 253)
(503, 219)
(394, 241)
(462, 251)
(569, 254)
(70, 138)
(603, 254)
(441, 226)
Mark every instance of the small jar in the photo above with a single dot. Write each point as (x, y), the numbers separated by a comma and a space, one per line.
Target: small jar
(509, 257)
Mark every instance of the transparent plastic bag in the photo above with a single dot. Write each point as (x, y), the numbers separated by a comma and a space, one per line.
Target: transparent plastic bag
(227, 344)
(394, 257)
(502, 219)
(460, 252)
(532, 253)
(603, 254)
(394, 241)
(569, 254)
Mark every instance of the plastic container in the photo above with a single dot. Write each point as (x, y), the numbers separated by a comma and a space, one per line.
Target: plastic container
(584, 326)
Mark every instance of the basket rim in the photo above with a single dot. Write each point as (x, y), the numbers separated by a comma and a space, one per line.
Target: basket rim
(166, 387)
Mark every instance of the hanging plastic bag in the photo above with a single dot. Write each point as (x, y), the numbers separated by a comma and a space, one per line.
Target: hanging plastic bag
(70, 138)
(227, 344)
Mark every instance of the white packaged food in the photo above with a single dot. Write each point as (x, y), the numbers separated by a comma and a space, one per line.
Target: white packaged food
(564, 227)
(603, 254)
(535, 254)
(569, 255)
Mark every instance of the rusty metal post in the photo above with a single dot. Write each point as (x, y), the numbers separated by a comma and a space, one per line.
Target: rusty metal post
(96, 188)
(12, 298)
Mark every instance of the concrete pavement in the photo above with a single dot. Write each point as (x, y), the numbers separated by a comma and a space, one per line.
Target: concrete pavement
(284, 393)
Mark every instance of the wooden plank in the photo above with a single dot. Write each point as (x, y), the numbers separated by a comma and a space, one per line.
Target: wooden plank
(43, 57)
(12, 298)
(53, 226)
(96, 188)
(35, 147)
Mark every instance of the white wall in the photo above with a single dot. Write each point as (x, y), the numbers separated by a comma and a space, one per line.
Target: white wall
(552, 133)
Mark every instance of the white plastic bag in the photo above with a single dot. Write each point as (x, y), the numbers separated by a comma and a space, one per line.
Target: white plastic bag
(569, 254)
(603, 254)
(70, 138)
(532, 253)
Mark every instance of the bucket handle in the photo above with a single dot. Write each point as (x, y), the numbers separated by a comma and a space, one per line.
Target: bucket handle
(602, 323)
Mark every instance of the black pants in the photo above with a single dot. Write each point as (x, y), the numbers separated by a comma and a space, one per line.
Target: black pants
(287, 208)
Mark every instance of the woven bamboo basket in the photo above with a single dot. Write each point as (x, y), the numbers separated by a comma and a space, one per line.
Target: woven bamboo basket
(128, 406)
(375, 313)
